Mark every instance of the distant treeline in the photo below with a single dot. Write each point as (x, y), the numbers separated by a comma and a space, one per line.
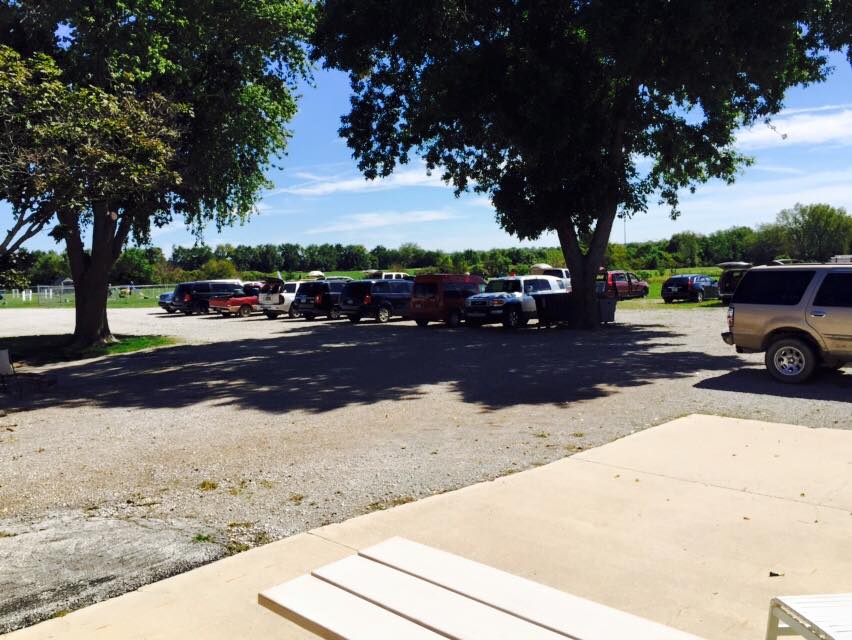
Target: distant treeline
(812, 232)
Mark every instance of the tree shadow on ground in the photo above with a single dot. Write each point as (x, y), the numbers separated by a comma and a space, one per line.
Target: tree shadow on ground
(834, 386)
(319, 367)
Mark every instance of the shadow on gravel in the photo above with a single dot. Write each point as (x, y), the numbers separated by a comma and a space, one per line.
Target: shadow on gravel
(834, 386)
(324, 366)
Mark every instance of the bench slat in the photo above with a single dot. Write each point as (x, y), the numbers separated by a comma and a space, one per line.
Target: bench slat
(830, 613)
(448, 613)
(569, 615)
(335, 614)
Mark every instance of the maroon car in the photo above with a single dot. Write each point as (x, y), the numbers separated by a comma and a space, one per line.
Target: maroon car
(440, 297)
(621, 285)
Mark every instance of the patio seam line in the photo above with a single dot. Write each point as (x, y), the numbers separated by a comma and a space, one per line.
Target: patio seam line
(715, 486)
(313, 532)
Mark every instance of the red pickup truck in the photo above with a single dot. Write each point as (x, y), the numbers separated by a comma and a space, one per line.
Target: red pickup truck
(242, 302)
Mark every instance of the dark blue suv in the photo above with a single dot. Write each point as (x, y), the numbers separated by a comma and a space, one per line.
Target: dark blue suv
(379, 299)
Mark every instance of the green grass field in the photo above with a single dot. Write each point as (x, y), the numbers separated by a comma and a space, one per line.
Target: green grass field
(39, 350)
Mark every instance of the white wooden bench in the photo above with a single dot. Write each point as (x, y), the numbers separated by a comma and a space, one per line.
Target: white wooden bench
(823, 617)
(402, 589)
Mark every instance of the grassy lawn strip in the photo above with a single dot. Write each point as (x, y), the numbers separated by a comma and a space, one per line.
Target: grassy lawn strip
(39, 350)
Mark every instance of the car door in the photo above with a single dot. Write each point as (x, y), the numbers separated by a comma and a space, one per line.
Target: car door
(402, 289)
(620, 284)
(711, 287)
(830, 313)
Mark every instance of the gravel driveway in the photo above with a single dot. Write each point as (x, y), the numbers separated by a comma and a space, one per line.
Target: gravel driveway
(135, 467)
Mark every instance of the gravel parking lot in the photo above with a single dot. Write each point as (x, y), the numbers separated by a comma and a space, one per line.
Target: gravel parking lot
(135, 467)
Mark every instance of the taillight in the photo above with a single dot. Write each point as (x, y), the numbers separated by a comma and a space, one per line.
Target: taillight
(318, 299)
(187, 297)
(731, 318)
(368, 299)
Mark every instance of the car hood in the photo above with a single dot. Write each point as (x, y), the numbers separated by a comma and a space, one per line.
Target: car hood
(493, 296)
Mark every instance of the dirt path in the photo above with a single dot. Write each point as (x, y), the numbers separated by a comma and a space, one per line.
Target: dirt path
(260, 429)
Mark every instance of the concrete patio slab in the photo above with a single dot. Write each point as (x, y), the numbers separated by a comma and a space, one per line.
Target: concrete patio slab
(668, 524)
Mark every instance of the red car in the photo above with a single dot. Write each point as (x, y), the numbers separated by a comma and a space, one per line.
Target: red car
(621, 285)
(440, 297)
(242, 302)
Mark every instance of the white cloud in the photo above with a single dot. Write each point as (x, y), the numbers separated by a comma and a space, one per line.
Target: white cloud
(825, 107)
(802, 128)
(317, 186)
(770, 168)
(379, 219)
(744, 203)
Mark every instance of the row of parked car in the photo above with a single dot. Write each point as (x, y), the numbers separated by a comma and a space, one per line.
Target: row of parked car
(448, 298)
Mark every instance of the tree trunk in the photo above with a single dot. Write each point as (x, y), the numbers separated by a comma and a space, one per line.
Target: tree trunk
(584, 267)
(92, 327)
(90, 271)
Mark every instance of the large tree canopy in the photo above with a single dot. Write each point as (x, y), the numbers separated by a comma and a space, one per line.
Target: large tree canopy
(226, 71)
(567, 113)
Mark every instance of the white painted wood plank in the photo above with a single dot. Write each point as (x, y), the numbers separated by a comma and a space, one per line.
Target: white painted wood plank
(829, 613)
(553, 609)
(448, 613)
(336, 614)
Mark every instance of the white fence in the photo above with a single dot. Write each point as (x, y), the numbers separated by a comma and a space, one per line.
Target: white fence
(59, 294)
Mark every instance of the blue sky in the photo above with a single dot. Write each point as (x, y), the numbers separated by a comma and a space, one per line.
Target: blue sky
(320, 196)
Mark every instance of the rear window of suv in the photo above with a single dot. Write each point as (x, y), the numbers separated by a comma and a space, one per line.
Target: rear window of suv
(773, 287)
(835, 291)
(425, 289)
(356, 289)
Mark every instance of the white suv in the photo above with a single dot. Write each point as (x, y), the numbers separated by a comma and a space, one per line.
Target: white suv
(509, 300)
(277, 297)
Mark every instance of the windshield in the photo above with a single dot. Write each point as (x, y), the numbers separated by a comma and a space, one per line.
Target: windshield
(503, 286)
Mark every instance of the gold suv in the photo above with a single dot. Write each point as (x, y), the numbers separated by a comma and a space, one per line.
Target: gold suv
(800, 315)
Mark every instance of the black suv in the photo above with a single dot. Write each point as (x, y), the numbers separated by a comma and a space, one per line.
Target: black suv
(379, 299)
(318, 298)
(696, 287)
(194, 297)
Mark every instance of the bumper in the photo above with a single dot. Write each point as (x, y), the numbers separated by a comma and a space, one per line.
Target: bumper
(728, 337)
(356, 310)
(484, 313)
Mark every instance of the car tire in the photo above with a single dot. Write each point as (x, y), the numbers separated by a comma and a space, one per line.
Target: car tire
(513, 318)
(244, 311)
(294, 312)
(454, 319)
(383, 315)
(354, 319)
(422, 323)
(791, 360)
(334, 313)
(699, 297)
(272, 315)
(170, 310)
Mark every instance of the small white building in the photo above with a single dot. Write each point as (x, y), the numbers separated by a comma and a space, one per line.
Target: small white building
(841, 259)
